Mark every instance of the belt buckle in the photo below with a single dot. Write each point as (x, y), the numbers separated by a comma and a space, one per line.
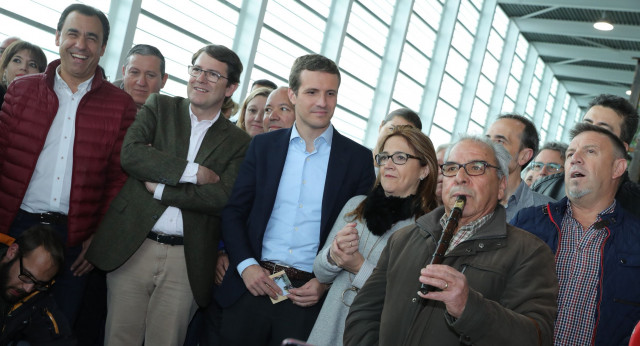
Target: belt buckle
(43, 218)
(158, 235)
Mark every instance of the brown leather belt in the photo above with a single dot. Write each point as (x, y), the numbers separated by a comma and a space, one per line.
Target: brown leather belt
(292, 273)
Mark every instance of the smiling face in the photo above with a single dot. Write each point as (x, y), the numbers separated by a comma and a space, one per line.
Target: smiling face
(81, 46)
(401, 180)
(38, 264)
(482, 191)
(591, 169)
(315, 102)
(20, 64)
(207, 97)
(279, 111)
(142, 77)
(254, 114)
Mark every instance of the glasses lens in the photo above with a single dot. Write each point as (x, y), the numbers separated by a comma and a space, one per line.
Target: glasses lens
(553, 167)
(537, 166)
(450, 169)
(381, 159)
(399, 158)
(475, 168)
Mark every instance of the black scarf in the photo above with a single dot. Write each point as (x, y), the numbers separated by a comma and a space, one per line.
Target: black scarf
(381, 212)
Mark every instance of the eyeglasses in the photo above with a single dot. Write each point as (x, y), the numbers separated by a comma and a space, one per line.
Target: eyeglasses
(398, 158)
(212, 76)
(30, 280)
(551, 167)
(473, 168)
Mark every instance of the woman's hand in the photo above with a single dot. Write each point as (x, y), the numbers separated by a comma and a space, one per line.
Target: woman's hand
(344, 249)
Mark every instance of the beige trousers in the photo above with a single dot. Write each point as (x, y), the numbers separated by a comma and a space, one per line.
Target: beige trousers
(149, 298)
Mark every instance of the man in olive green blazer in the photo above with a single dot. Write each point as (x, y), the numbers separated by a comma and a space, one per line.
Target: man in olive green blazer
(158, 240)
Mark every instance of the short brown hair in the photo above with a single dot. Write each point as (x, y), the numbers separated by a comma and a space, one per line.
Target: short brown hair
(311, 62)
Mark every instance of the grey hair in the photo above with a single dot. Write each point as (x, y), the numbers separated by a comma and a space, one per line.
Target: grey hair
(501, 154)
(444, 146)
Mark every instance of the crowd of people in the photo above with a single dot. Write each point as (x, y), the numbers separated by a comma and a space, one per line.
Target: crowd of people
(130, 217)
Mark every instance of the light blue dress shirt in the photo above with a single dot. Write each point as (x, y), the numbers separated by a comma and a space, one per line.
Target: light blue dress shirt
(292, 236)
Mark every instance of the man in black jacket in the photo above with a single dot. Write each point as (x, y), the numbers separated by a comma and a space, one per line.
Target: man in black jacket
(27, 268)
(618, 116)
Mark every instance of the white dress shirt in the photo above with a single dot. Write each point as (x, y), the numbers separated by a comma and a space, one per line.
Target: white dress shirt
(50, 185)
(171, 220)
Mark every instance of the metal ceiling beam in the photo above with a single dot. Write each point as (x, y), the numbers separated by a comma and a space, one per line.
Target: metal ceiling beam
(593, 89)
(586, 53)
(580, 29)
(596, 73)
(617, 5)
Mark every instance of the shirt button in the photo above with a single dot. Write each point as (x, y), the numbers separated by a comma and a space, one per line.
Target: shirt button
(481, 245)
(295, 229)
(414, 300)
(290, 251)
(307, 159)
(304, 182)
(300, 206)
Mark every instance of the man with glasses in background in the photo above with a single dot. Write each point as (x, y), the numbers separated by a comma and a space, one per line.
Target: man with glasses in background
(27, 311)
(550, 160)
(159, 238)
(493, 274)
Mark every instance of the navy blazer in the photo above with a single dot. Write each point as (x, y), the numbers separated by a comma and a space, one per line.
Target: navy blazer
(244, 219)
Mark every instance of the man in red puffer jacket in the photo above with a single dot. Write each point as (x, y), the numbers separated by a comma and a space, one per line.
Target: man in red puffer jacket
(61, 134)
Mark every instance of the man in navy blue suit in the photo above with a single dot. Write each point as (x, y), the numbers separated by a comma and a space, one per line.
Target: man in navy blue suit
(290, 189)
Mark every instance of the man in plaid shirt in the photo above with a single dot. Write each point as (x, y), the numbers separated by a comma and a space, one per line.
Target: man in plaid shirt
(595, 241)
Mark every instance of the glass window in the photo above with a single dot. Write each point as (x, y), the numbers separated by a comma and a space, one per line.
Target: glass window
(475, 129)
(408, 92)
(429, 11)
(367, 29)
(414, 63)
(439, 136)
(485, 89)
(354, 95)
(469, 16)
(500, 21)
(490, 67)
(495, 44)
(508, 106)
(451, 91)
(456, 65)
(480, 111)
(445, 116)
(512, 88)
(360, 61)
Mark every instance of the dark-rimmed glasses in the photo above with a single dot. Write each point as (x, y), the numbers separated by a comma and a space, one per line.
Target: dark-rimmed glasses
(399, 158)
(473, 168)
(211, 76)
(30, 280)
(551, 167)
